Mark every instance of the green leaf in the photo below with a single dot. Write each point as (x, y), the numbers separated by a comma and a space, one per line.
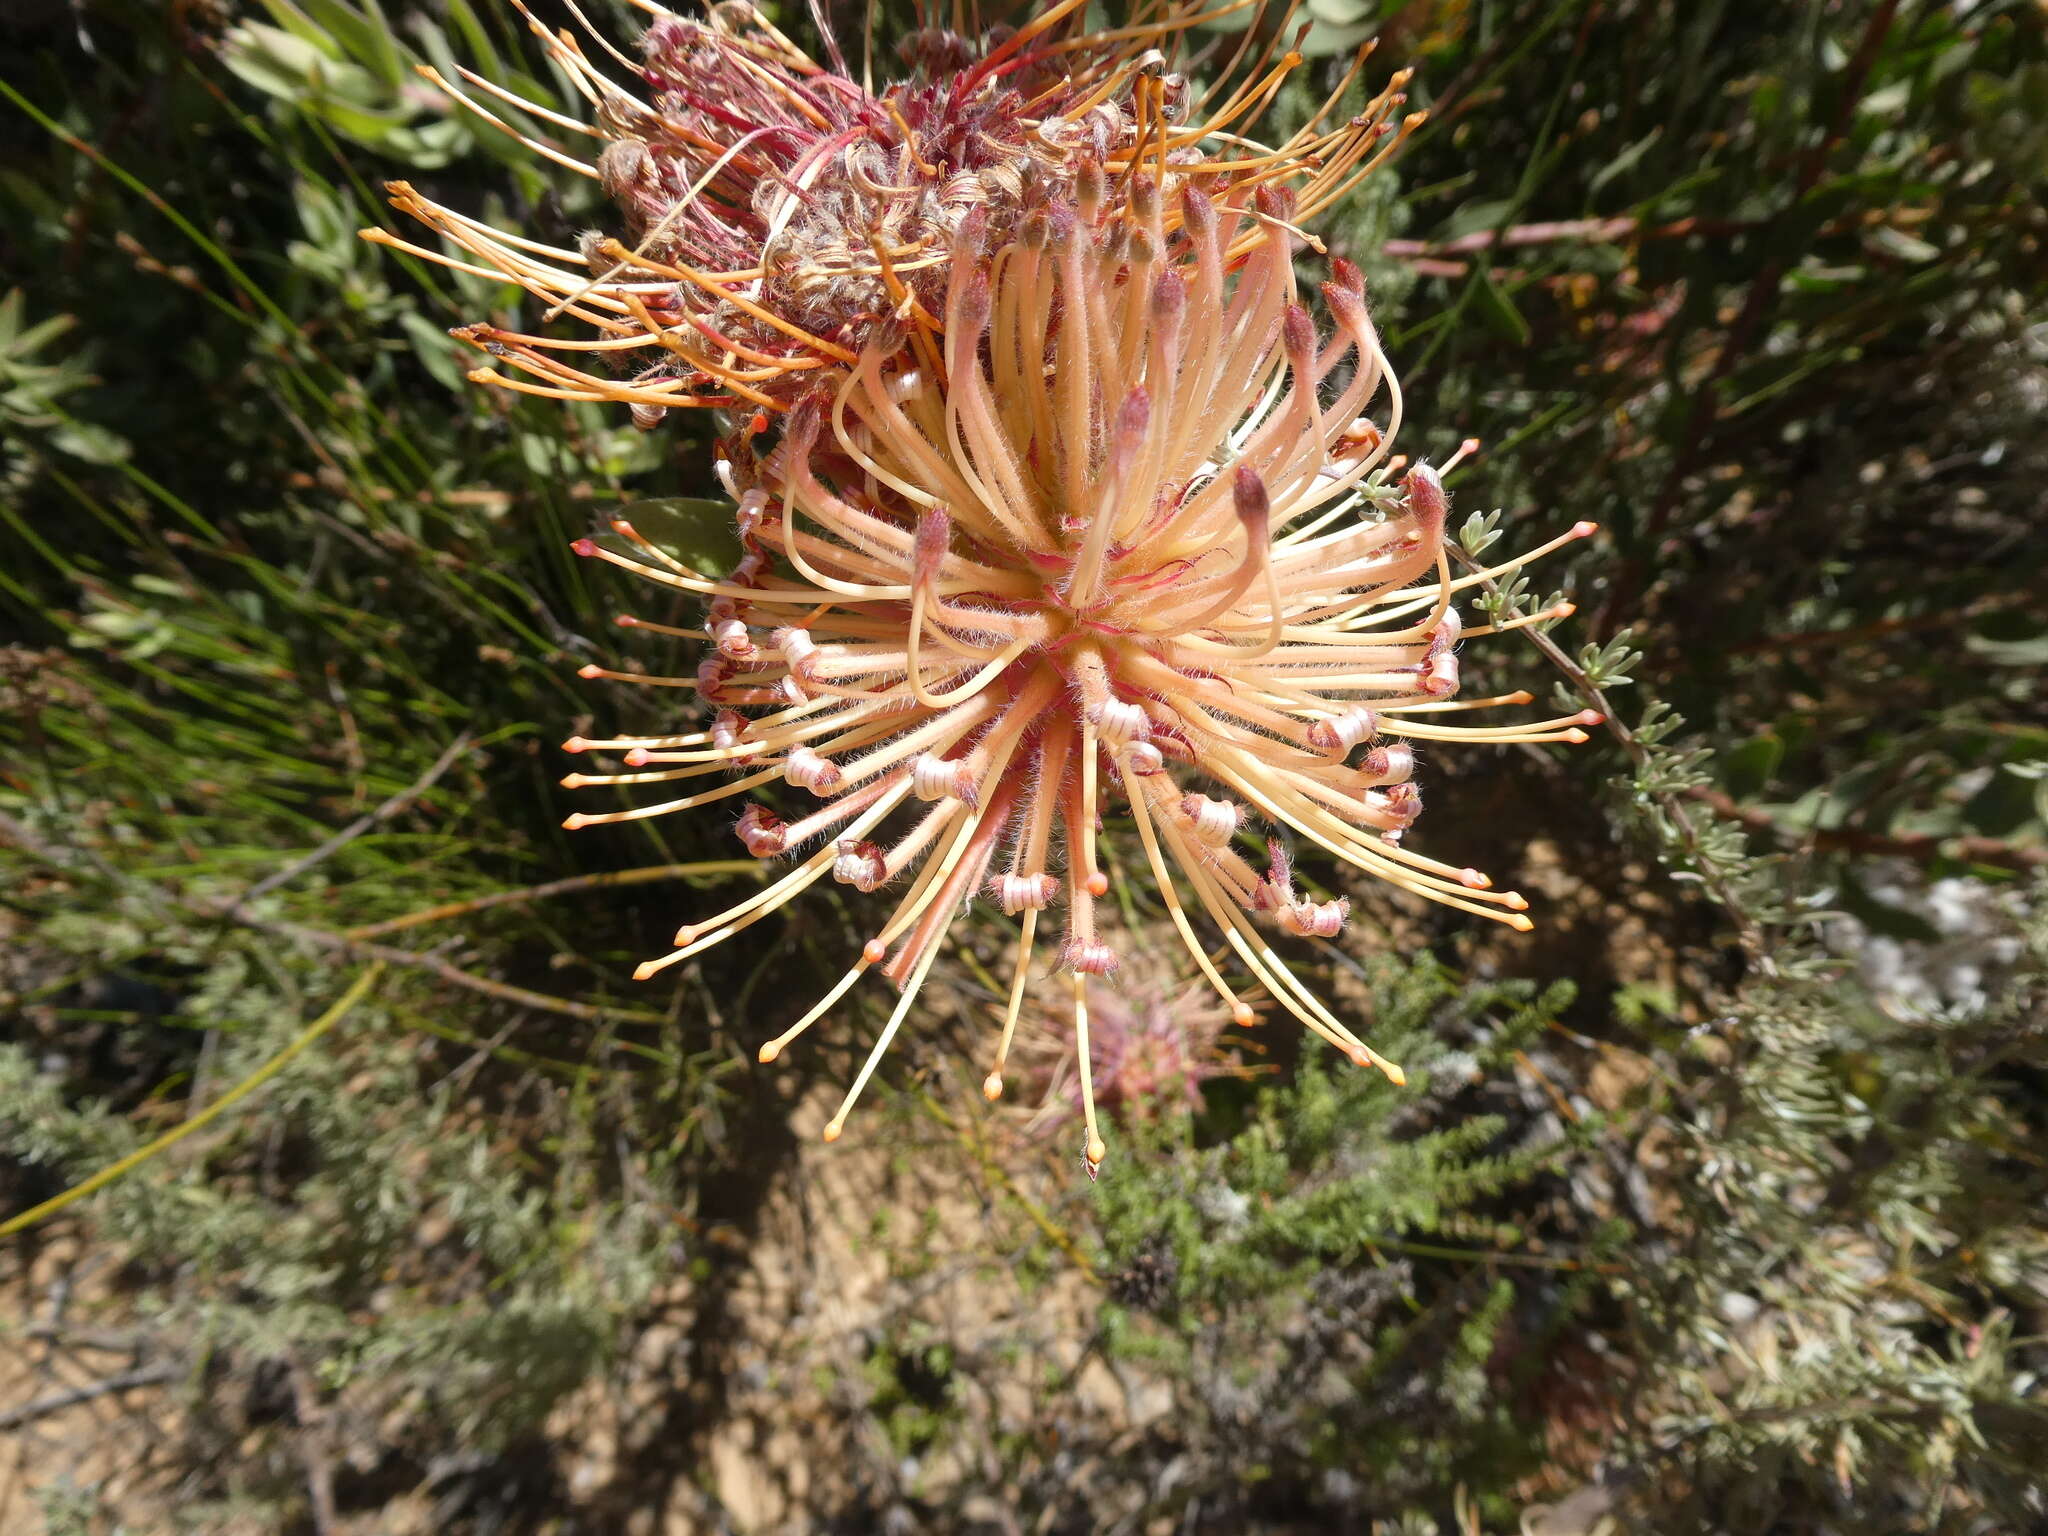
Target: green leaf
(1477, 216)
(2003, 806)
(2010, 653)
(1748, 768)
(1623, 163)
(475, 39)
(443, 356)
(367, 35)
(694, 530)
(1897, 243)
(1497, 309)
(1882, 918)
(273, 61)
(326, 222)
(94, 444)
(291, 21)
(1642, 1002)
(1888, 102)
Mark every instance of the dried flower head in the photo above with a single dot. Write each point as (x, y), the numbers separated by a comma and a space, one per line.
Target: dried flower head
(782, 215)
(1131, 540)
(1152, 1041)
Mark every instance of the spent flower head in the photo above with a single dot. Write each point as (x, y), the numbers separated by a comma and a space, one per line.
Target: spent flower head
(780, 213)
(1153, 1041)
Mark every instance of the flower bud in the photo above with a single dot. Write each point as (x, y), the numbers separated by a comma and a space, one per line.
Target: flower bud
(1254, 507)
(1446, 633)
(1144, 759)
(728, 729)
(928, 548)
(860, 864)
(1391, 764)
(938, 778)
(1298, 334)
(1024, 893)
(1215, 821)
(1340, 733)
(1093, 958)
(807, 770)
(974, 306)
(1426, 500)
(1117, 722)
(713, 673)
(1318, 920)
(1400, 803)
(1169, 301)
(733, 640)
(1089, 187)
(799, 653)
(762, 831)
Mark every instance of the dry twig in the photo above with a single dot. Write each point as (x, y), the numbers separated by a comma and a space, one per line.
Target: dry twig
(320, 938)
(71, 1397)
(358, 827)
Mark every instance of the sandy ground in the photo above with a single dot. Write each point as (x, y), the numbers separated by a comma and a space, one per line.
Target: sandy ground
(768, 1386)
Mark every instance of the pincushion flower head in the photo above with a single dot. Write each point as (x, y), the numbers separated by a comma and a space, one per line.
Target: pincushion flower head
(1104, 525)
(1134, 547)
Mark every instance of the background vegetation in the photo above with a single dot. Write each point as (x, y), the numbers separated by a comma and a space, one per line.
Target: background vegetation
(1716, 1205)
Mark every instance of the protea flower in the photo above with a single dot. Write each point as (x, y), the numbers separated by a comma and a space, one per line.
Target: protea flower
(1055, 503)
(1133, 545)
(782, 214)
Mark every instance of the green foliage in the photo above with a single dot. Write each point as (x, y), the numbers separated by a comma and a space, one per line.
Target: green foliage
(33, 389)
(263, 563)
(1301, 1270)
(1867, 1236)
